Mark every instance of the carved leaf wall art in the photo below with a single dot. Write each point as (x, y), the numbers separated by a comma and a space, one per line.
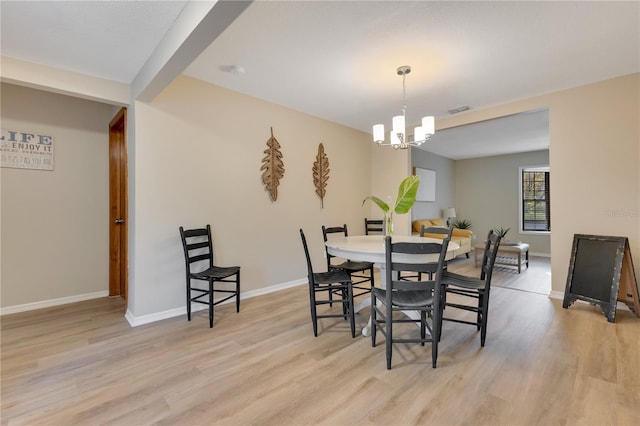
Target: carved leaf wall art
(273, 167)
(321, 173)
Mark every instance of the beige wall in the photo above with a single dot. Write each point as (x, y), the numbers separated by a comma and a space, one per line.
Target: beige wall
(197, 151)
(389, 167)
(487, 194)
(445, 169)
(195, 155)
(594, 155)
(55, 223)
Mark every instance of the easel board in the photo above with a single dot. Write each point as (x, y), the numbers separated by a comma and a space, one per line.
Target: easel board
(601, 273)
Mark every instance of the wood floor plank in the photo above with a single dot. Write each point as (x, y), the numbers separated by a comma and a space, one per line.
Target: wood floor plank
(82, 364)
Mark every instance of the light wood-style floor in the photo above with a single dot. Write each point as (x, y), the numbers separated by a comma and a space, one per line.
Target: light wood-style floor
(536, 278)
(82, 364)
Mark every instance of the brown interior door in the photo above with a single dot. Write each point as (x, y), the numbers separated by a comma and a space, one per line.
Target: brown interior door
(118, 264)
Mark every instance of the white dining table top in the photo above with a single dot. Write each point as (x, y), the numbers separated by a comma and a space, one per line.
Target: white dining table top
(370, 248)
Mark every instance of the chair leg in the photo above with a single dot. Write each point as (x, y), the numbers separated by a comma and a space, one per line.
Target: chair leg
(238, 292)
(389, 343)
(485, 318)
(189, 299)
(435, 338)
(352, 313)
(312, 305)
(373, 281)
(211, 304)
(481, 298)
(374, 323)
(443, 301)
(345, 300)
(330, 299)
(423, 327)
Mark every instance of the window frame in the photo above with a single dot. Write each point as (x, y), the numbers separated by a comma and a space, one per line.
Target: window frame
(540, 168)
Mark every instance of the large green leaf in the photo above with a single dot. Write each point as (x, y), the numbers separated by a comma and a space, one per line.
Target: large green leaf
(383, 206)
(407, 194)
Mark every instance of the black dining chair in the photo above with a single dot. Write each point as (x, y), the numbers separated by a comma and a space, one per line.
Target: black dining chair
(373, 226)
(424, 231)
(322, 286)
(199, 266)
(473, 287)
(401, 295)
(360, 272)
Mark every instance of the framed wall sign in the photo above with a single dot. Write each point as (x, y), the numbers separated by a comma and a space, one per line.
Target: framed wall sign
(427, 188)
(26, 150)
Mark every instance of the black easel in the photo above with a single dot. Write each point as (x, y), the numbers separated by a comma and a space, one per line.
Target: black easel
(601, 272)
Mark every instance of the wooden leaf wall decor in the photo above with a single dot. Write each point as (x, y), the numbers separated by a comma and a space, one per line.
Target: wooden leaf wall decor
(273, 167)
(321, 173)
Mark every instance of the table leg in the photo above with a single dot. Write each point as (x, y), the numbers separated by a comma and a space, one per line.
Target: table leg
(366, 330)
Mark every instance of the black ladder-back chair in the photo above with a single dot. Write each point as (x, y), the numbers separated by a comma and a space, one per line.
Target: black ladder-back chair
(429, 230)
(356, 270)
(328, 283)
(399, 295)
(198, 247)
(373, 226)
(476, 288)
(447, 232)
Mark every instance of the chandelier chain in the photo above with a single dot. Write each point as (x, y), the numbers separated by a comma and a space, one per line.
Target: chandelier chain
(404, 95)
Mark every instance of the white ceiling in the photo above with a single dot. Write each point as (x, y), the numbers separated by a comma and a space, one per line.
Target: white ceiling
(337, 59)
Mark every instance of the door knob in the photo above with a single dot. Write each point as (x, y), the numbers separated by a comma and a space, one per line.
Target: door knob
(119, 221)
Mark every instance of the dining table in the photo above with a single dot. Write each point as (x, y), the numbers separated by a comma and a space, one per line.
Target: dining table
(370, 248)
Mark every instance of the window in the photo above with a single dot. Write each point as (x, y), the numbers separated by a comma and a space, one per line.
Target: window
(535, 205)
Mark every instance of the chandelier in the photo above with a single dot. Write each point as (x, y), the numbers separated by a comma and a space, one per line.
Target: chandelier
(398, 137)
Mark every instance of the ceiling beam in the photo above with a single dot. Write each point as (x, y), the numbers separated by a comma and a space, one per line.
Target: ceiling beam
(199, 24)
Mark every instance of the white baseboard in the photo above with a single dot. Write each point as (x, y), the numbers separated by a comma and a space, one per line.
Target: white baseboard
(135, 321)
(539, 254)
(556, 295)
(53, 302)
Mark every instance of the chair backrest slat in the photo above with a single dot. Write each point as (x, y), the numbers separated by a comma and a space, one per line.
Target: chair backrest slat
(393, 268)
(373, 226)
(197, 246)
(435, 230)
(326, 231)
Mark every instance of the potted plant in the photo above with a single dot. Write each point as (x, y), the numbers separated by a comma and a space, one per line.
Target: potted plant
(462, 224)
(404, 201)
(501, 232)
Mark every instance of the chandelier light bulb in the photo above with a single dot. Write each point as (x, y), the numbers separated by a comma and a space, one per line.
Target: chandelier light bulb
(378, 133)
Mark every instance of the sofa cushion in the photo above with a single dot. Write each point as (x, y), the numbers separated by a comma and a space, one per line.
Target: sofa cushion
(462, 233)
(437, 222)
(416, 225)
(462, 237)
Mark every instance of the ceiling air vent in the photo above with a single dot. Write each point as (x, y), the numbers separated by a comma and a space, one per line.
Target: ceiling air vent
(459, 109)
